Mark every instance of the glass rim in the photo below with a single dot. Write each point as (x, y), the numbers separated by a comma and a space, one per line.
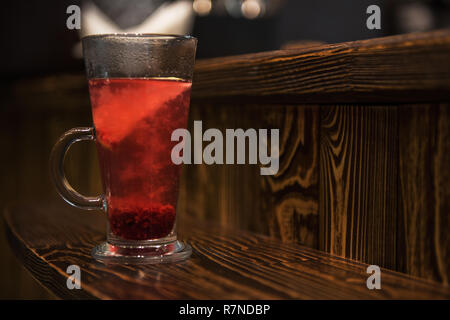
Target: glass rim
(154, 36)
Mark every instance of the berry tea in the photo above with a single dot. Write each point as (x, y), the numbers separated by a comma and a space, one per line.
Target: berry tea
(134, 119)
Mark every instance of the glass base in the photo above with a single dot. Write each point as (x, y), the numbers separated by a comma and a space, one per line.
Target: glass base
(150, 254)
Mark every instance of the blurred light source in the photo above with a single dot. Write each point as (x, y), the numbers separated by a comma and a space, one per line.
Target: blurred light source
(252, 9)
(415, 17)
(202, 7)
(174, 17)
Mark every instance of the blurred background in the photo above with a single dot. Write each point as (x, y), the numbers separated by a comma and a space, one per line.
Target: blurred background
(43, 91)
(37, 41)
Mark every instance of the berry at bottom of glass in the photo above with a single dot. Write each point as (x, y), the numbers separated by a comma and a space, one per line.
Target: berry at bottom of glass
(134, 119)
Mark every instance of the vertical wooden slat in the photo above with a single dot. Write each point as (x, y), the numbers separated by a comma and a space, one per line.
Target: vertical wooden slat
(424, 191)
(291, 196)
(358, 182)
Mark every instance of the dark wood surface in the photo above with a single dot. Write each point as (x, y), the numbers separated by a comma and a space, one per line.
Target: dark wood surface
(364, 172)
(424, 190)
(358, 179)
(284, 206)
(404, 68)
(226, 264)
(378, 190)
(285, 89)
(34, 114)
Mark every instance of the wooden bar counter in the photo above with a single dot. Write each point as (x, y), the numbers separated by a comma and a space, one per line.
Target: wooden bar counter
(364, 149)
(364, 178)
(226, 264)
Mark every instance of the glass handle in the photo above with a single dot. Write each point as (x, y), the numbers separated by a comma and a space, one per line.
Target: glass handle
(63, 187)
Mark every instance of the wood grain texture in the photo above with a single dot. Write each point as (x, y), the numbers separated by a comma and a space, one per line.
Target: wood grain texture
(31, 121)
(411, 67)
(403, 68)
(225, 264)
(424, 190)
(271, 90)
(358, 182)
(285, 205)
(290, 197)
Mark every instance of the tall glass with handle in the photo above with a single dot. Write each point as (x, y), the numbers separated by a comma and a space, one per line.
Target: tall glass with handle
(139, 86)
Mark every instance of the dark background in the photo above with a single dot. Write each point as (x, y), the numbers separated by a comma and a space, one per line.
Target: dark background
(35, 39)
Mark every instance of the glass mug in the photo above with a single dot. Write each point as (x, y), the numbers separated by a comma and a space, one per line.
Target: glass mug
(139, 87)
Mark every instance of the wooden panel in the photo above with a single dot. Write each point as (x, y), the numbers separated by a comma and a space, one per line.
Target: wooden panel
(285, 205)
(358, 182)
(15, 281)
(32, 119)
(291, 196)
(362, 168)
(225, 264)
(424, 190)
(411, 67)
(227, 194)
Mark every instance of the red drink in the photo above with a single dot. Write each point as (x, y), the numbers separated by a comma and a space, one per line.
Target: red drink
(134, 120)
